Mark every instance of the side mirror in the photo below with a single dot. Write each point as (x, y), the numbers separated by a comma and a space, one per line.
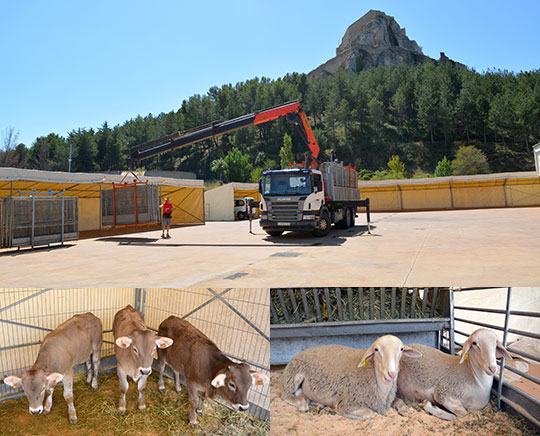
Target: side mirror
(260, 186)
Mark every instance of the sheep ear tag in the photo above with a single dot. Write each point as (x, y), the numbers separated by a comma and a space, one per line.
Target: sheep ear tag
(364, 364)
(466, 355)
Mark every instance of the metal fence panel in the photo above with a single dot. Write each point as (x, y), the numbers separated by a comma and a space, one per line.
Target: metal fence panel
(118, 205)
(354, 317)
(38, 220)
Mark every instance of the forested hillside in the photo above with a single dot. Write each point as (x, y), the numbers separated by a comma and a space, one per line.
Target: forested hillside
(420, 114)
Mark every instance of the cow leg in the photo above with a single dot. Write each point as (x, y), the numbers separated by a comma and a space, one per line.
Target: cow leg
(48, 401)
(161, 368)
(95, 362)
(124, 386)
(194, 403)
(200, 406)
(89, 369)
(141, 385)
(68, 396)
(177, 383)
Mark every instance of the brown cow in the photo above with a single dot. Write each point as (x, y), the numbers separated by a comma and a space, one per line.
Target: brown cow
(75, 341)
(134, 346)
(208, 371)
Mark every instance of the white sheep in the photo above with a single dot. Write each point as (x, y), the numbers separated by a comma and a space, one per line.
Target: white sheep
(355, 382)
(457, 383)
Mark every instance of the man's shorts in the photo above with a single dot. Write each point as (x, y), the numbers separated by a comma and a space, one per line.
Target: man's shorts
(167, 221)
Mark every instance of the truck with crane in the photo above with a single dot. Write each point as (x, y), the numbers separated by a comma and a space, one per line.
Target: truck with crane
(310, 197)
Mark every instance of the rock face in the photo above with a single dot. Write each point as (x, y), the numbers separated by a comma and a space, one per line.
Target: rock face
(375, 39)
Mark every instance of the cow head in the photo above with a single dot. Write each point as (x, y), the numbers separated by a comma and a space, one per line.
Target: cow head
(233, 384)
(142, 345)
(35, 383)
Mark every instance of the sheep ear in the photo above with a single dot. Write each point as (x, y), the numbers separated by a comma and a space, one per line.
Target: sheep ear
(369, 353)
(411, 352)
(466, 348)
(501, 351)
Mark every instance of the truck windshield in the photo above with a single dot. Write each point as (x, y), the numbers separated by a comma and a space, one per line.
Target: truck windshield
(287, 185)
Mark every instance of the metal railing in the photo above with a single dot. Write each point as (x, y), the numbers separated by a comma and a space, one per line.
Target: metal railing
(509, 397)
(236, 320)
(302, 318)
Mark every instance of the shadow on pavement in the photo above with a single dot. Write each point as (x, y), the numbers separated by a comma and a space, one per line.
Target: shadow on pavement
(289, 239)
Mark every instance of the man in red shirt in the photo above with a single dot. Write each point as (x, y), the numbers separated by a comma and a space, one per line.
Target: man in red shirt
(167, 217)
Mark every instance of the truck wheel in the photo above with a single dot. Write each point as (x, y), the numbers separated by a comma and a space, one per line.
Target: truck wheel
(345, 222)
(274, 232)
(324, 225)
(353, 213)
(240, 215)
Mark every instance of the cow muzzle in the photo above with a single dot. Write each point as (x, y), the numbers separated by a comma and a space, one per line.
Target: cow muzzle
(36, 411)
(145, 371)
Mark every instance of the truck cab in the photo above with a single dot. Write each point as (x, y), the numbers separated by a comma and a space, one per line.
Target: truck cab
(291, 199)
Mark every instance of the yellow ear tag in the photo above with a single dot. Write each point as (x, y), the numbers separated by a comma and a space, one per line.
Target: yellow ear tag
(364, 364)
(466, 355)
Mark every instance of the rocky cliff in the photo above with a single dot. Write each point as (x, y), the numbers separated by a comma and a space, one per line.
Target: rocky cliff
(375, 39)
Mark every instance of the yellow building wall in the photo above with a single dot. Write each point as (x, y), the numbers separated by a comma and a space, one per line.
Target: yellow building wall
(419, 197)
(468, 194)
(89, 214)
(382, 199)
(188, 204)
(523, 192)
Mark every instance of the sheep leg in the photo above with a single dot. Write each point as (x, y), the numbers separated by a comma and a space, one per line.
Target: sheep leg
(400, 405)
(453, 405)
(361, 413)
(298, 399)
(438, 412)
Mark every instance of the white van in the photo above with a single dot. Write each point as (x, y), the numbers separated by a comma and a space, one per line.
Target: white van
(241, 206)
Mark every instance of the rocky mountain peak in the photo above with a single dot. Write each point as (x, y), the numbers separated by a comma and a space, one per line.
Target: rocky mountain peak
(375, 39)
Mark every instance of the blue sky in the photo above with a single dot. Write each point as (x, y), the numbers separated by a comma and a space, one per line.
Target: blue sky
(75, 64)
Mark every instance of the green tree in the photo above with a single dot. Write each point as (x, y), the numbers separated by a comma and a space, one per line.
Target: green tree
(469, 160)
(444, 168)
(286, 154)
(84, 151)
(237, 166)
(396, 167)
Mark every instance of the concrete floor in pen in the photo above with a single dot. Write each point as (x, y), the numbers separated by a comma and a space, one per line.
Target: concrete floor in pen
(483, 247)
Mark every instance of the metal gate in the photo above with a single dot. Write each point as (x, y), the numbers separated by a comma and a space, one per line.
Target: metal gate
(236, 320)
(38, 220)
(130, 204)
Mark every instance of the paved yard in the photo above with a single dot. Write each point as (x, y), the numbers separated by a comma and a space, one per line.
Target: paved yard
(487, 247)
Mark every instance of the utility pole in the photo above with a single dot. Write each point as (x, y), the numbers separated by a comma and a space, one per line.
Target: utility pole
(69, 160)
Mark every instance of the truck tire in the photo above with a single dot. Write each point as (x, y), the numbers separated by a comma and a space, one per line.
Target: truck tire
(274, 232)
(345, 222)
(353, 213)
(240, 215)
(324, 225)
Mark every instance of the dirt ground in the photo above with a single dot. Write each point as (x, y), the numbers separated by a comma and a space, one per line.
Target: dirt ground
(286, 419)
(167, 414)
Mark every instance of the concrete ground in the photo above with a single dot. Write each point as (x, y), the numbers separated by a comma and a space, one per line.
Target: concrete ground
(485, 247)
